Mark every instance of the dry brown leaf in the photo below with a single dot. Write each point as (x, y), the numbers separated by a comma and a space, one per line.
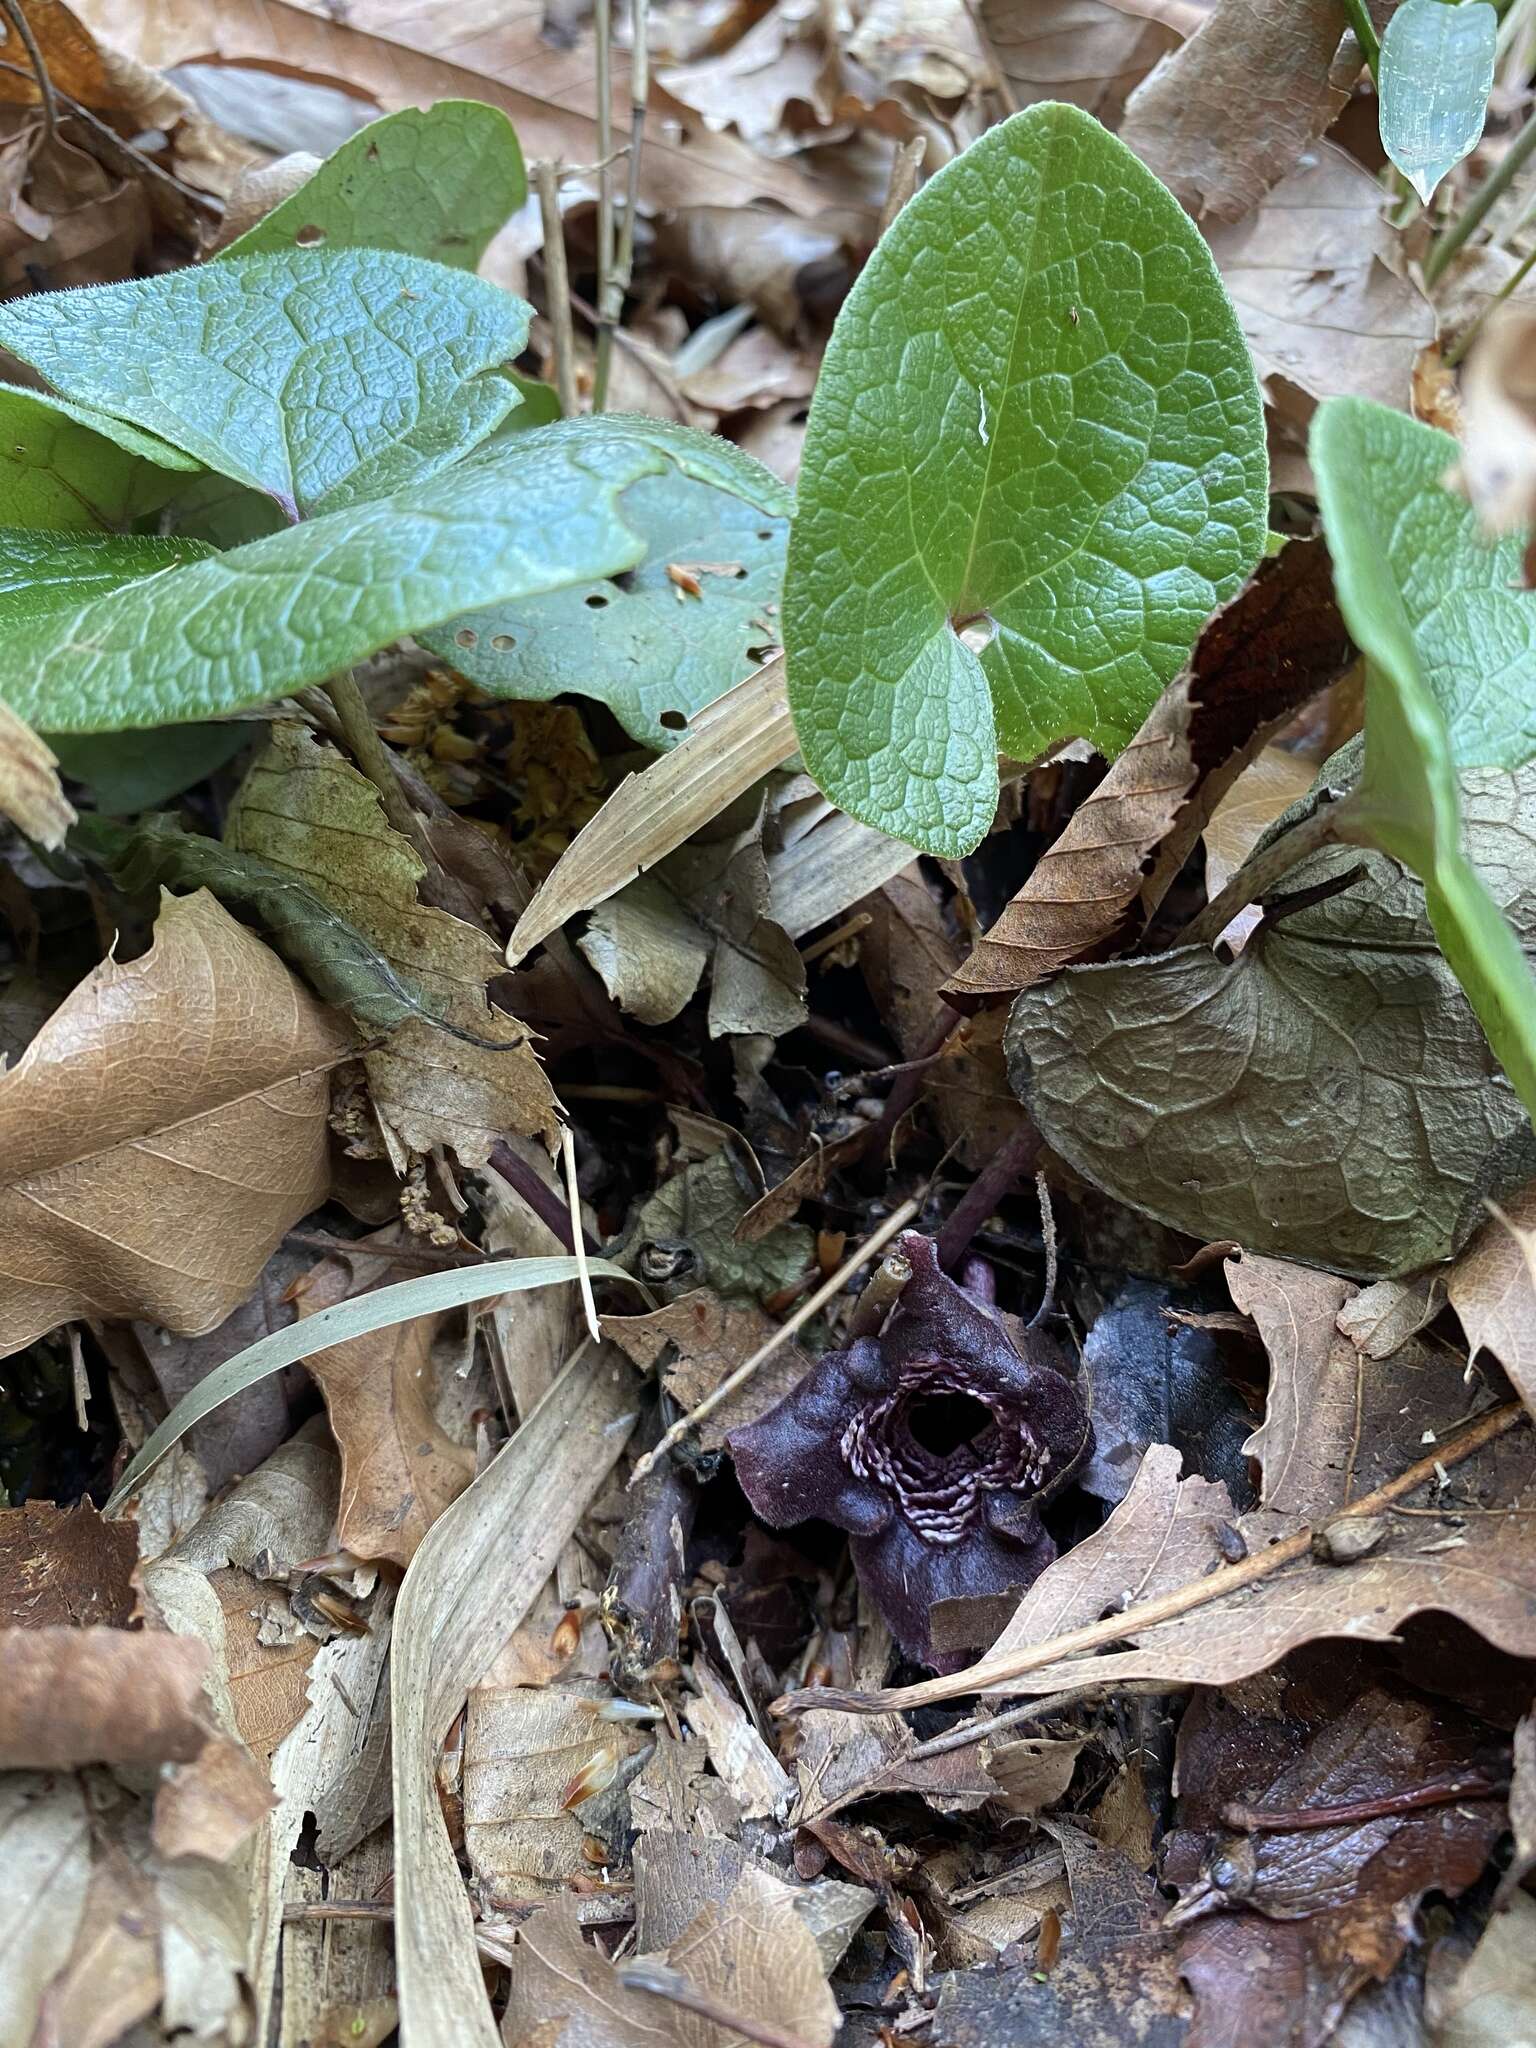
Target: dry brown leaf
(1337, 1422)
(1033, 1772)
(45, 1875)
(162, 1131)
(1270, 784)
(742, 1760)
(478, 1572)
(31, 794)
(1497, 469)
(751, 1955)
(399, 1468)
(524, 1750)
(100, 1695)
(1320, 285)
(65, 1567)
(274, 1518)
(709, 1339)
(1492, 1288)
(112, 1978)
(1225, 118)
(1275, 645)
(212, 1807)
(1490, 2001)
(1382, 1317)
(729, 746)
(306, 811)
(1092, 53)
(268, 1679)
(445, 53)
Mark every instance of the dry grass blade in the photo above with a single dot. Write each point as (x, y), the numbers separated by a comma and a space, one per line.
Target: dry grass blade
(424, 1296)
(469, 1585)
(741, 737)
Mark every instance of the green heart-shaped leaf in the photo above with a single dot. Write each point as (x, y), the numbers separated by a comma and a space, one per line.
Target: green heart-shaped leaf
(1434, 78)
(1449, 637)
(67, 468)
(650, 647)
(1037, 419)
(320, 377)
(436, 181)
(541, 511)
(44, 573)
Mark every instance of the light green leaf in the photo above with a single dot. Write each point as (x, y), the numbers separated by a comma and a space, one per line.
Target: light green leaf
(1435, 75)
(644, 647)
(1450, 643)
(1326, 1096)
(69, 469)
(44, 573)
(1036, 409)
(129, 772)
(431, 1294)
(245, 627)
(434, 182)
(322, 378)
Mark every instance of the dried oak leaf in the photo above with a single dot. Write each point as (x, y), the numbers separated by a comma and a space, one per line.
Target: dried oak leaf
(305, 810)
(933, 1445)
(1277, 643)
(1227, 115)
(162, 1131)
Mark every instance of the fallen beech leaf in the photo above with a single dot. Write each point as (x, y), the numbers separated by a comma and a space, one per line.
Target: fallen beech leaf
(399, 1469)
(100, 1695)
(751, 1955)
(65, 1567)
(1492, 1288)
(1320, 283)
(730, 745)
(1277, 643)
(305, 811)
(31, 794)
(162, 1131)
(1091, 52)
(1329, 1095)
(1497, 470)
(1224, 118)
(1337, 1422)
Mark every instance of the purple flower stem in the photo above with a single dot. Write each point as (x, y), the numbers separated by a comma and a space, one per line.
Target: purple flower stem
(997, 1179)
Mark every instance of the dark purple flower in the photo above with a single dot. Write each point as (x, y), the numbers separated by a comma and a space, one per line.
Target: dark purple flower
(933, 1445)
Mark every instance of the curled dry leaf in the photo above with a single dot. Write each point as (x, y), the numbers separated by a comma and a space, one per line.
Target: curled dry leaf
(31, 795)
(162, 1131)
(1320, 283)
(1225, 118)
(1091, 52)
(305, 811)
(1275, 645)
(1497, 470)
(1492, 1288)
(100, 1695)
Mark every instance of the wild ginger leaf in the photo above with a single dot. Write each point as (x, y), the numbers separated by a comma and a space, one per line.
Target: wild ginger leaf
(1449, 637)
(651, 647)
(1037, 410)
(1327, 1096)
(43, 573)
(1435, 76)
(542, 510)
(321, 377)
(66, 468)
(436, 181)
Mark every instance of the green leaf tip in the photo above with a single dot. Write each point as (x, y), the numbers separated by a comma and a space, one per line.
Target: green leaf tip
(1035, 465)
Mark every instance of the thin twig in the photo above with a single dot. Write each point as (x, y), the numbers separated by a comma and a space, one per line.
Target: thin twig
(1048, 1239)
(603, 25)
(1278, 1820)
(849, 929)
(375, 759)
(997, 1179)
(639, 92)
(881, 1293)
(660, 1980)
(540, 1197)
(1482, 202)
(15, 15)
(557, 285)
(1260, 874)
(897, 1220)
(109, 148)
(1133, 1621)
(1511, 284)
(578, 1235)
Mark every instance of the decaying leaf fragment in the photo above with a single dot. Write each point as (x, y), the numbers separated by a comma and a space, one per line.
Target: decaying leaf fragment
(30, 792)
(1492, 1288)
(162, 1131)
(306, 811)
